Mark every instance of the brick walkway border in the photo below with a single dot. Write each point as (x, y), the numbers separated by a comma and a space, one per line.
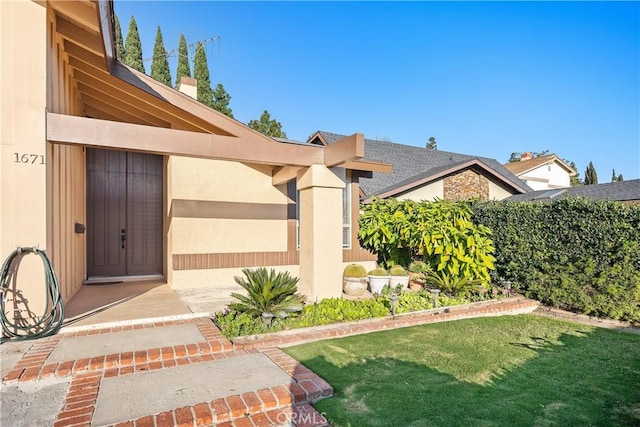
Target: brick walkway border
(287, 404)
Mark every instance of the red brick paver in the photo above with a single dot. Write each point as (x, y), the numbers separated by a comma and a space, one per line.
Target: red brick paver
(283, 404)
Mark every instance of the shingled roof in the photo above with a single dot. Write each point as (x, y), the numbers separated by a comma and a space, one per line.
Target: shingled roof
(624, 191)
(523, 166)
(420, 165)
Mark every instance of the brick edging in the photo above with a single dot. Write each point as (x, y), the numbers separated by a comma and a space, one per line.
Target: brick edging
(514, 305)
(33, 364)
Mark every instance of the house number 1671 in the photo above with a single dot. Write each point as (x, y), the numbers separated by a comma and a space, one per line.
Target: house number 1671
(29, 158)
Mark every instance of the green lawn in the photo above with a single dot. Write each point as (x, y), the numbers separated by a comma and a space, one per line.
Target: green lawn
(503, 371)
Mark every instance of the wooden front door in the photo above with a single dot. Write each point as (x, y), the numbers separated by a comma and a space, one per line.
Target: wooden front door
(124, 213)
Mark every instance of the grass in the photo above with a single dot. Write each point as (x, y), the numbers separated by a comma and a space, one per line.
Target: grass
(502, 371)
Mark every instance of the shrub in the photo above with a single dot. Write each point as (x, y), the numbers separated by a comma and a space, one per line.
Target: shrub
(409, 301)
(573, 253)
(267, 292)
(440, 233)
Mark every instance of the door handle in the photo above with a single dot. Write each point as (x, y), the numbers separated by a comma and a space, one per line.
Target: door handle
(123, 237)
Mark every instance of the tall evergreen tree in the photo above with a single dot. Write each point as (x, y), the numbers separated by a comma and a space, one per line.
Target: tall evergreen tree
(119, 43)
(590, 175)
(133, 47)
(221, 100)
(160, 64)
(184, 70)
(268, 126)
(616, 178)
(201, 74)
(432, 144)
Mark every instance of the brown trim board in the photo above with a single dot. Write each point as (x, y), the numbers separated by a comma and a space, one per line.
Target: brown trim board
(233, 260)
(181, 208)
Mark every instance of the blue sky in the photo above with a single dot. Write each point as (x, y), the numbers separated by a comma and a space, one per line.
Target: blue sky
(483, 78)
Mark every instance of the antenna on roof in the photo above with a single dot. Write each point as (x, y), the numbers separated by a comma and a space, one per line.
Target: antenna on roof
(191, 48)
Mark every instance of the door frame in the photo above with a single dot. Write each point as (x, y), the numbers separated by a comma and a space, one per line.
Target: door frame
(130, 278)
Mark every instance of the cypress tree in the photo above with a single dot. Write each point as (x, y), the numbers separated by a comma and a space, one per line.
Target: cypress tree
(119, 43)
(183, 60)
(201, 74)
(160, 65)
(590, 175)
(221, 100)
(133, 47)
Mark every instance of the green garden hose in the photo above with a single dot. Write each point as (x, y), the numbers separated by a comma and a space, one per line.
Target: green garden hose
(29, 327)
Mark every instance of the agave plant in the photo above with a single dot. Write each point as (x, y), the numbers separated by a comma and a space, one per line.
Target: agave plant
(452, 285)
(268, 293)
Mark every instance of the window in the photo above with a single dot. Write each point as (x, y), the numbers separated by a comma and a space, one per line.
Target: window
(346, 214)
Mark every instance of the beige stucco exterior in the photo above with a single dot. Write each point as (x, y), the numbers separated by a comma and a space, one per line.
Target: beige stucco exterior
(41, 185)
(497, 191)
(226, 199)
(320, 232)
(435, 190)
(429, 191)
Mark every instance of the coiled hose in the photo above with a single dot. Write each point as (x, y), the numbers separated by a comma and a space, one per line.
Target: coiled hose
(27, 328)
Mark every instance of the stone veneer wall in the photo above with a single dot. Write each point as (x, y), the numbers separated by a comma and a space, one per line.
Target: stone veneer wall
(466, 185)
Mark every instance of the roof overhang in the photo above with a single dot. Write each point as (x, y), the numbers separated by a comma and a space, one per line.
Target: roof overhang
(128, 110)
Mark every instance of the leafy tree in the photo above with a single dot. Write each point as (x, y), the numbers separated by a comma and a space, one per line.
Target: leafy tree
(590, 175)
(268, 126)
(160, 65)
(119, 43)
(620, 178)
(184, 70)
(201, 74)
(221, 100)
(432, 144)
(133, 47)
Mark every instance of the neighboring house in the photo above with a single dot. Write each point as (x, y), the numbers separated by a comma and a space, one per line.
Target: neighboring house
(543, 172)
(119, 177)
(623, 191)
(423, 174)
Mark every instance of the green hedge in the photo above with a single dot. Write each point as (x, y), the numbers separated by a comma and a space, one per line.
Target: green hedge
(573, 253)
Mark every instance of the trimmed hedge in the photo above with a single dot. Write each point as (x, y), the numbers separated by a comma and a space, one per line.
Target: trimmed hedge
(576, 254)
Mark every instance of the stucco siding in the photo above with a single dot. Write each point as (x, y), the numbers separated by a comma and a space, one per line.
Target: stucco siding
(220, 208)
(425, 192)
(497, 192)
(550, 175)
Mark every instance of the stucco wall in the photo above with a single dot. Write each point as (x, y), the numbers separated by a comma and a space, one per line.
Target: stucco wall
(222, 216)
(426, 192)
(41, 185)
(498, 192)
(547, 176)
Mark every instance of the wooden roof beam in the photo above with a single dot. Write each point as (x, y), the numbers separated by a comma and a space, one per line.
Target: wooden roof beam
(83, 13)
(83, 131)
(111, 100)
(80, 36)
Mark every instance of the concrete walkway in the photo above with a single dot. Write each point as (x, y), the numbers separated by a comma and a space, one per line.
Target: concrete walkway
(184, 372)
